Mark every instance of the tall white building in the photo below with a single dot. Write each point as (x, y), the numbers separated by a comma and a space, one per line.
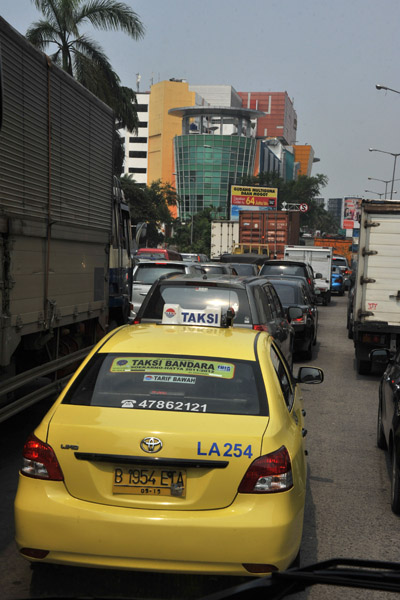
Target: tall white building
(137, 143)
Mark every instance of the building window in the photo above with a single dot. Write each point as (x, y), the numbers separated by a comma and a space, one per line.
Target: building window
(142, 124)
(137, 170)
(142, 107)
(138, 140)
(137, 154)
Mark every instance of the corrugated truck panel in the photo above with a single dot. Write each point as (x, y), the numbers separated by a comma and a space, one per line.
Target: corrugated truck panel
(81, 131)
(380, 296)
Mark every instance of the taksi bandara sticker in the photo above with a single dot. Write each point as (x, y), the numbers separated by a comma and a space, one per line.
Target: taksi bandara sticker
(175, 366)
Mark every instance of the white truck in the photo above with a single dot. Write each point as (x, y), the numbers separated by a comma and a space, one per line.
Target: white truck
(224, 235)
(376, 304)
(320, 258)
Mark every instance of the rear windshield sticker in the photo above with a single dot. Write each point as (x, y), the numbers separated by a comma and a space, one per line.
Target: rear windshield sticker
(164, 405)
(172, 365)
(169, 379)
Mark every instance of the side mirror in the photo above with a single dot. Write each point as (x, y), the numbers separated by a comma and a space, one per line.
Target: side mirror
(310, 375)
(294, 312)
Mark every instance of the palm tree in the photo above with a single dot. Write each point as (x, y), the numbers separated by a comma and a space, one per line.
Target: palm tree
(81, 56)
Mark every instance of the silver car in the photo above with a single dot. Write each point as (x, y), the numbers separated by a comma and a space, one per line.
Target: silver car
(146, 272)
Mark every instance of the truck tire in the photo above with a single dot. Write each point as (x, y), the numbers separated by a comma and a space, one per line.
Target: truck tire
(363, 367)
(308, 354)
(350, 331)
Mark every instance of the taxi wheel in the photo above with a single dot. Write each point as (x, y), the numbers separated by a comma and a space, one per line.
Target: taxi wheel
(395, 491)
(296, 563)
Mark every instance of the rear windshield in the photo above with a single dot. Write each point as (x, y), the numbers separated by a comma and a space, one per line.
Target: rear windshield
(198, 297)
(217, 270)
(342, 262)
(283, 270)
(150, 273)
(245, 269)
(171, 383)
(152, 255)
(288, 294)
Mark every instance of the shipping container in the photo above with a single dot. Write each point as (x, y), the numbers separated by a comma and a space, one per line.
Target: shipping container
(275, 228)
(342, 247)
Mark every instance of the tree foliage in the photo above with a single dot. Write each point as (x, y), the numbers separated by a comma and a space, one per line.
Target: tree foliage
(194, 235)
(150, 204)
(82, 57)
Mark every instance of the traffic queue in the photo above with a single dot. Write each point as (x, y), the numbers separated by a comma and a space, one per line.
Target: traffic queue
(178, 445)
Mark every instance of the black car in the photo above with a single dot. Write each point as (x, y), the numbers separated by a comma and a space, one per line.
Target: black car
(254, 301)
(214, 268)
(294, 292)
(245, 269)
(388, 424)
(283, 268)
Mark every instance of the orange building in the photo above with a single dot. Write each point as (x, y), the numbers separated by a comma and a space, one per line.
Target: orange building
(164, 127)
(304, 155)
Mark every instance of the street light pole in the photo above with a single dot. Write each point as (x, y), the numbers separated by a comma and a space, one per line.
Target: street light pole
(383, 87)
(377, 193)
(385, 181)
(394, 166)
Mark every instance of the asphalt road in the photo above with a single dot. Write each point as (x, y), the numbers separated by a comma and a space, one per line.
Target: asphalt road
(348, 506)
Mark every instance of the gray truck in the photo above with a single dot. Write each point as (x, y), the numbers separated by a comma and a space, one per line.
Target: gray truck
(375, 314)
(64, 227)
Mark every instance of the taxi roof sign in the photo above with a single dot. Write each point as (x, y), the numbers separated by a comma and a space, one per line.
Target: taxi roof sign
(175, 314)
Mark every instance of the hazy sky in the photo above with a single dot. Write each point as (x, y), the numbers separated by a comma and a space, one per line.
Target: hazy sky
(327, 54)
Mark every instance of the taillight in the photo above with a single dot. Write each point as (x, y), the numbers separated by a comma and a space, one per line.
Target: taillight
(136, 321)
(260, 327)
(269, 473)
(40, 461)
(300, 320)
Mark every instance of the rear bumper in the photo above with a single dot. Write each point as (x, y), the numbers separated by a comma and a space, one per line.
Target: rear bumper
(254, 529)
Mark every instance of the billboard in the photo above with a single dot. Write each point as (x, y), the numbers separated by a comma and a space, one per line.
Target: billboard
(352, 213)
(244, 197)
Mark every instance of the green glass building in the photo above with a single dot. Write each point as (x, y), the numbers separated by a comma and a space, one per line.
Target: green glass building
(207, 162)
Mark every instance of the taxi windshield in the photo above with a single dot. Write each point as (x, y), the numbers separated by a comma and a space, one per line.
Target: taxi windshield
(171, 383)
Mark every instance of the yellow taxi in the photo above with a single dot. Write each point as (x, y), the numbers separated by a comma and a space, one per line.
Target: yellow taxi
(175, 448)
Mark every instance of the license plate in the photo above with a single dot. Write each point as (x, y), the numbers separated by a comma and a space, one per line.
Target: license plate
(142, 481)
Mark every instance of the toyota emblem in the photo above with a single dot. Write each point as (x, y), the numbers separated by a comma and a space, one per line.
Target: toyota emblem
(151, 444)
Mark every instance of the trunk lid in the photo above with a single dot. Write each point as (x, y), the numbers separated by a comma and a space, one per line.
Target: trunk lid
(97, 447)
